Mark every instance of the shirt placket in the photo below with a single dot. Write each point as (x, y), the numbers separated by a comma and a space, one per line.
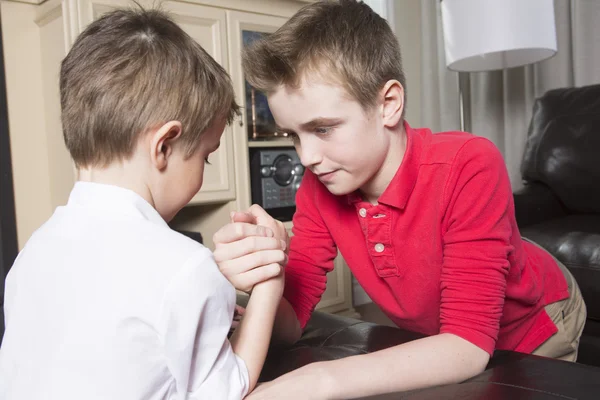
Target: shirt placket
(375, 222)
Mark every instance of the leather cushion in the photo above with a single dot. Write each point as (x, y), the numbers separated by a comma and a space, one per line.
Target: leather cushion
(330, 337)
(575, 241)
(563, 146)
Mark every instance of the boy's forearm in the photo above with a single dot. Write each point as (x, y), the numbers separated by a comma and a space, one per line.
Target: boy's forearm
(432, 361)
(250, 341)
(287, 327)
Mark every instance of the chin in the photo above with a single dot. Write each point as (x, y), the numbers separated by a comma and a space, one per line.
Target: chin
(344, 184)
(340, 190)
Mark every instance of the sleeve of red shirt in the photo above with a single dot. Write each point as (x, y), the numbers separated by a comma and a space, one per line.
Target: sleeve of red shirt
(476, 236)
(312, 251)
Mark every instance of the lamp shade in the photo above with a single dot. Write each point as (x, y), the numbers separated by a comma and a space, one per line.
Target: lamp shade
(486, 35)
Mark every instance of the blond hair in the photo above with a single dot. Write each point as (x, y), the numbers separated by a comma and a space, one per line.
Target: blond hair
(344, 40)
(131, 71)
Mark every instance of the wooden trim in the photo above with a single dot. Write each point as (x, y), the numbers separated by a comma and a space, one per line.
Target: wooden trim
(8, 223)
(34, 2)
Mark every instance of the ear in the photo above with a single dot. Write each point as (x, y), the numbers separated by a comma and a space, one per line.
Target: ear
(393, 103)
(162, 141)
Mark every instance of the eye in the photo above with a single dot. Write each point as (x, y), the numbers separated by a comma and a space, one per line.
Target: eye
(323, 130)
(206, 161)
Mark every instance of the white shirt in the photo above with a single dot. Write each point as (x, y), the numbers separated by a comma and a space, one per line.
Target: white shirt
(107, 302)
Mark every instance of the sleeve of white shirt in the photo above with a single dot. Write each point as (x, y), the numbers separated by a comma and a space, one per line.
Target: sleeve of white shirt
(194, 321)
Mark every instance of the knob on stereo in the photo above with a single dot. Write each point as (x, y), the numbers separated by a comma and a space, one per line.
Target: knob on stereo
(265, 171)
(298, 169)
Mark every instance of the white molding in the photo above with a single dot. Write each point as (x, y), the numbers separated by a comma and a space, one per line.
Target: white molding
(385, 8)
(35, 2)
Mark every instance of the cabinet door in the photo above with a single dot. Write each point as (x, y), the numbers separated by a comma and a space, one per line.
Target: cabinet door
(206, 25)
(237, 23)
(338, 295)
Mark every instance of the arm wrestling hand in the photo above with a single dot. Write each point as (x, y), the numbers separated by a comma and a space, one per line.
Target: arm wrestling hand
(257, 215)
(248, 254)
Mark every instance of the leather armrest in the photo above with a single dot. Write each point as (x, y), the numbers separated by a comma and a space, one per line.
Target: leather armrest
(536, 203)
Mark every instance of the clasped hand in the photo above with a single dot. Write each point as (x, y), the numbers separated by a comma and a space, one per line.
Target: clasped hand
(251, 249)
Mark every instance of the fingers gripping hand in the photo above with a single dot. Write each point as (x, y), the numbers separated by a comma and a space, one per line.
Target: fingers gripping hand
(260, 217)
(247, 254)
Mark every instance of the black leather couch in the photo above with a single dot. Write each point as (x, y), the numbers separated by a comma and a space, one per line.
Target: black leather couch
(559, 208)
(509, 375)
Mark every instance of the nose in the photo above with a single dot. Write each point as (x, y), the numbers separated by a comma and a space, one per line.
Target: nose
(309, 151)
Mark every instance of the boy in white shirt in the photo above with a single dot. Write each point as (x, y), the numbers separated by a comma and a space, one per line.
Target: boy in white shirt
(106, 301)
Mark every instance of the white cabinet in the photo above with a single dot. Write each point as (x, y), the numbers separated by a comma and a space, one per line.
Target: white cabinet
(207, 25)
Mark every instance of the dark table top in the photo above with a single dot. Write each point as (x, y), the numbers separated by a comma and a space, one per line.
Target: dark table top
(509, 375)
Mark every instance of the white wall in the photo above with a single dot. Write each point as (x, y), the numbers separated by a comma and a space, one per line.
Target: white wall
(407, 24)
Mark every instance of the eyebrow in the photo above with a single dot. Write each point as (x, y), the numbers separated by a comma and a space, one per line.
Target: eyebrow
(281, 129)
(314, 123)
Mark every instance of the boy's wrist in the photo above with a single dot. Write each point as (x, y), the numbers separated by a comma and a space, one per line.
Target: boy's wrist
(329, 385)
(270, 290)
(326, 386)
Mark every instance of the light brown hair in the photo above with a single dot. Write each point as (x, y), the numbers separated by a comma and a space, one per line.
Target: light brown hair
(133, 70)
(344, 40)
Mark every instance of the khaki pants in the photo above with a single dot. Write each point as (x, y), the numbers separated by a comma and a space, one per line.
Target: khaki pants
(569, 317)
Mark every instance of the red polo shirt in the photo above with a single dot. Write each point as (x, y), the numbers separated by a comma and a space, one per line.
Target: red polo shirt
(439, 253)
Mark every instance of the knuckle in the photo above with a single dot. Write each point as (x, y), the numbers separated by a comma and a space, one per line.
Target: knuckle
(276, 269)
(264, 257)
(270, 270)
(260, 258)
(253, 243)
(238, 230)
(281, 256)
(224, 268)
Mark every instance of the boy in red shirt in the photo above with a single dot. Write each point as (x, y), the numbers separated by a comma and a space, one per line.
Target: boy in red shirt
(425, 222)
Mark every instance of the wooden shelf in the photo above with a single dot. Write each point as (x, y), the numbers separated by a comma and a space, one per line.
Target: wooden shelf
(272, 143)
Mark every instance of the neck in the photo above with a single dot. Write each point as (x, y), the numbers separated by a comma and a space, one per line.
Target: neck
(395, 154)
(125, 174)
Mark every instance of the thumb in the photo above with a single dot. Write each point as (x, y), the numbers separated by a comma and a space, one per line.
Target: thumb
(260, 215)
(238, 216)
